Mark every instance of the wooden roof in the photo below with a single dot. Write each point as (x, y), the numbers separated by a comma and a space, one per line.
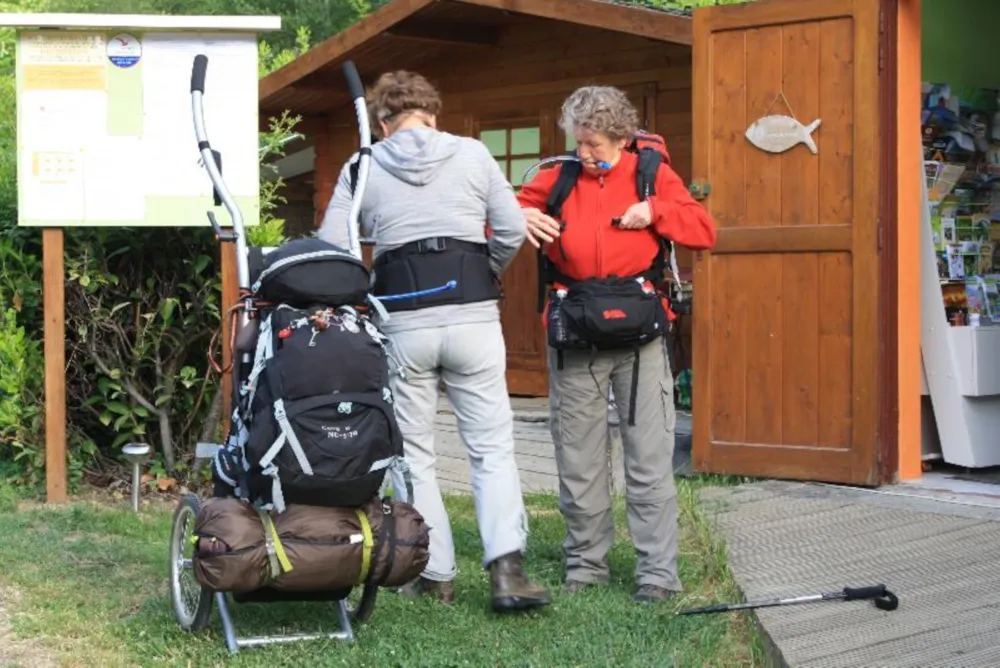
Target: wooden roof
(412, 33)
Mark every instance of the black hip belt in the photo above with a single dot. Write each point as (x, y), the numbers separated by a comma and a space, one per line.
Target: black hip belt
(427, 265)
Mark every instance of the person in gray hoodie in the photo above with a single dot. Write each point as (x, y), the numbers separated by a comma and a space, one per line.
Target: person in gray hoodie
(429, 198)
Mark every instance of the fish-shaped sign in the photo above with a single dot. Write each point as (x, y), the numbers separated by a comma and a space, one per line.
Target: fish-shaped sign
(777, 134)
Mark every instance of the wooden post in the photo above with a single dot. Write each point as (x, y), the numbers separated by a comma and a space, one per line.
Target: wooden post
(230, 294)
(54, 303)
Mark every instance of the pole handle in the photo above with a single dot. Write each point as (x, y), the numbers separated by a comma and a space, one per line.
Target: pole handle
(198, 71)
(878, 594)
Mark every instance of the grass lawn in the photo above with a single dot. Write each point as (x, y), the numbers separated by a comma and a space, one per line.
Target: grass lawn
(86, 585)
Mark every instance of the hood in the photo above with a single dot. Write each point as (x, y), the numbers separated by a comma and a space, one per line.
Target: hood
(415, 155)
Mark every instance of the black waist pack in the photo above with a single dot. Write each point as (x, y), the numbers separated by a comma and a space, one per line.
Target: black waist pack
(604, 314)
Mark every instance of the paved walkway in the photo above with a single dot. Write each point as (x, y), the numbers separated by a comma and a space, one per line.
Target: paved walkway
(533, 449)
(942, 560)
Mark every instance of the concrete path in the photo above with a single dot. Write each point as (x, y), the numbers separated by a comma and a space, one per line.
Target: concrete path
(941, 559)
(534, 450)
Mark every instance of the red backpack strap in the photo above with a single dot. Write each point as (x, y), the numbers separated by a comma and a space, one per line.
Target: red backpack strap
(652, 151)
(644, 140)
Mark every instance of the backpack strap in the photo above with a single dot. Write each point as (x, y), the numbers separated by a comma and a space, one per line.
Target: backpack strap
(355, 164)
(353, 171)
(569, 172)
(650, 160)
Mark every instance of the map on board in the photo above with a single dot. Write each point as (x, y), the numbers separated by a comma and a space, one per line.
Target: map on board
(105, 133)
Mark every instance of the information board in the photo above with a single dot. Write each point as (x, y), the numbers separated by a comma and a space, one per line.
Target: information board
(105, 134)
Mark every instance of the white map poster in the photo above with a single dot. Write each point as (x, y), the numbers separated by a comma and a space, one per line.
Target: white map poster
(106, 134)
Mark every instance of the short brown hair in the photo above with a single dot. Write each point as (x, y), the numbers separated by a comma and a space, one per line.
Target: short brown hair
(397, 92)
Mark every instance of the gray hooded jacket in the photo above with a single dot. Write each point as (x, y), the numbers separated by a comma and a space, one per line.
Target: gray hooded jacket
(427, 183)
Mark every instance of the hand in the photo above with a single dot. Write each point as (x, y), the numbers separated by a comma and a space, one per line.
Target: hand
(540, 227)
(637, 217)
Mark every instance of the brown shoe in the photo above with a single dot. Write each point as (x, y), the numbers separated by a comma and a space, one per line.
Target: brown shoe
(648, 593)
(442, 591)
(512, 590)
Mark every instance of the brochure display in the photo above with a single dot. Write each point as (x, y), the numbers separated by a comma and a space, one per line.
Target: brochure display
(960, 271)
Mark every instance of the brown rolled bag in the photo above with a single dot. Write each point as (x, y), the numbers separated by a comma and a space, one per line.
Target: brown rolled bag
(240, 548)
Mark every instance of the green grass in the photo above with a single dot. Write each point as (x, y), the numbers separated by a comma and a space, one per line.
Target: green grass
(86, 585)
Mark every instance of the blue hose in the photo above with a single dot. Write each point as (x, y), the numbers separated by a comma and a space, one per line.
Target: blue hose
(450, 285)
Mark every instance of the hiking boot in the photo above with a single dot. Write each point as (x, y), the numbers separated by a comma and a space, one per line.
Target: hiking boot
(512, 590)
(442, 591)
(648, 593)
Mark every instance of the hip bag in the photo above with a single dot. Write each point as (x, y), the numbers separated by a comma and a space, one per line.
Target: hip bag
(606, 314)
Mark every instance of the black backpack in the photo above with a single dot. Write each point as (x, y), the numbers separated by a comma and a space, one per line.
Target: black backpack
(652, 152)
(315, 423)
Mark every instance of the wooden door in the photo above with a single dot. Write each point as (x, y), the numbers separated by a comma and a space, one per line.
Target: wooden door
(785, 335)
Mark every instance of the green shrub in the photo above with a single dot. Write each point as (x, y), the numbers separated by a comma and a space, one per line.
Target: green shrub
(21, 386)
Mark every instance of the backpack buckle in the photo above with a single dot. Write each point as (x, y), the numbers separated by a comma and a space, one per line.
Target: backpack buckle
(434, 245)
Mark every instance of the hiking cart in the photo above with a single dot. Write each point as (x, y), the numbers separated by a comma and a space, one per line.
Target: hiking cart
(193, 603)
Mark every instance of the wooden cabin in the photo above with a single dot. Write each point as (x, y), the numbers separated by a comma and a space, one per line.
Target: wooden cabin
(804, 335)
(502, 75)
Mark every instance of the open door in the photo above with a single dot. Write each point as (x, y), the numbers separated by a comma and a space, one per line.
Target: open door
(786, 327)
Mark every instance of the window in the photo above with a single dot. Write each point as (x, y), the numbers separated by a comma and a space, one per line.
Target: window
(515, 149)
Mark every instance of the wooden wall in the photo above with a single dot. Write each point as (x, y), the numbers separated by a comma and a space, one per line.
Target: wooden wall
(525, 79)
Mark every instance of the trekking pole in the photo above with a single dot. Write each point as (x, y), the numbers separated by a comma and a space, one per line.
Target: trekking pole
(878, 594)
(357, 91)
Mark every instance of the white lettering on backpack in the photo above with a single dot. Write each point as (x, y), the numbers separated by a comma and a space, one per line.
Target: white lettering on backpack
(338, 433)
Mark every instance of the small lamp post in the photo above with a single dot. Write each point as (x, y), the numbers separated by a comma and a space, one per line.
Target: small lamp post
(136, 454)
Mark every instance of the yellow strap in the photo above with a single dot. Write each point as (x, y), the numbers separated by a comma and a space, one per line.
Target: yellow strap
(279, 549)
(367, 545)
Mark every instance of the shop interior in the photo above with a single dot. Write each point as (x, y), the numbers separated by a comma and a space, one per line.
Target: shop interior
(960, 244)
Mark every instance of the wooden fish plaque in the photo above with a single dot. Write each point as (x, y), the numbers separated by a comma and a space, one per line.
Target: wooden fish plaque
(777, 134)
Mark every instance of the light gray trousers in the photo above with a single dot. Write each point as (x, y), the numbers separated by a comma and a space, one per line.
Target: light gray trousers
(471, 359)
(578, 404)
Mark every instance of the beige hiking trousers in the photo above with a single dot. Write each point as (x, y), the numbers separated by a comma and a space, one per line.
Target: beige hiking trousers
(471, 359)
(578, 419)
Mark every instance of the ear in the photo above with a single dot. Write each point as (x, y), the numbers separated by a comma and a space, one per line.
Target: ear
(622, 143)
(432, 121)
(385, 129)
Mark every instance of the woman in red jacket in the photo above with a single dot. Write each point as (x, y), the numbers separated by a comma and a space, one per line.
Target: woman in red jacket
(606, 326)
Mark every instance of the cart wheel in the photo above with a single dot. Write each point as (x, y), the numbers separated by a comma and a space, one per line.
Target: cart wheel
(192, 603)
(365, 607)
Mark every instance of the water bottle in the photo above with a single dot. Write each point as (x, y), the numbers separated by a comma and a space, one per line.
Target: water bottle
(557, 319)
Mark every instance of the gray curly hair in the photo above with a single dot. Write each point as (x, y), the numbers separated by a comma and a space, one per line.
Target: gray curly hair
(603, 109)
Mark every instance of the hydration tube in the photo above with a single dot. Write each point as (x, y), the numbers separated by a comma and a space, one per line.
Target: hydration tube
(559, 158)
(450, 285)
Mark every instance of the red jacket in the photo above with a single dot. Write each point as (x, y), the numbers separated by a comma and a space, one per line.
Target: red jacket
(593, 247)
